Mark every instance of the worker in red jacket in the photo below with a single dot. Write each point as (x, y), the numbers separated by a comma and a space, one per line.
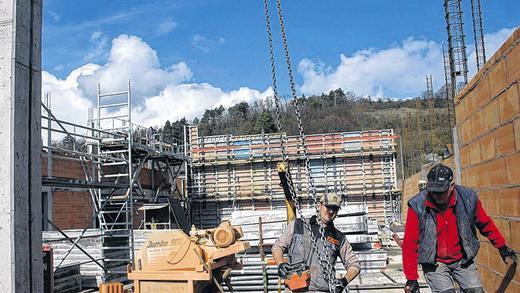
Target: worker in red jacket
(440, 234)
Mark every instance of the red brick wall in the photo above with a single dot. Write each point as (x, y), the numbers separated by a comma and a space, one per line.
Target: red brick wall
(72, 210)
(64, 168)
(68, 168)
(488, 123)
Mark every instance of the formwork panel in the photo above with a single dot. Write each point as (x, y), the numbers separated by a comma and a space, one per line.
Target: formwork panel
(359, 165)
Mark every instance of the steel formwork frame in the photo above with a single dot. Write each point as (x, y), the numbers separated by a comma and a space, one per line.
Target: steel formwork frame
(358, 165)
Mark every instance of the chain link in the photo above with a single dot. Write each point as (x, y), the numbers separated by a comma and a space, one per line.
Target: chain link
(325, 265)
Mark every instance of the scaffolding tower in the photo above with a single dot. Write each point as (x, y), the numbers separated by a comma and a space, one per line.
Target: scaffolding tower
(114, 115)
(478, 33)
(456, 43)
(112, 152)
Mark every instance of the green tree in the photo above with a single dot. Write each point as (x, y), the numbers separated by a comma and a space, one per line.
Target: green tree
(264, 123)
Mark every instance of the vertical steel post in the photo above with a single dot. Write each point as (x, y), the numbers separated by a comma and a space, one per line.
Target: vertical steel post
(130, 178)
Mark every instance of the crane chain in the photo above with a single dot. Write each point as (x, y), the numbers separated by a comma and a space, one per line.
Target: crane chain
(329, 268)
(325, 265)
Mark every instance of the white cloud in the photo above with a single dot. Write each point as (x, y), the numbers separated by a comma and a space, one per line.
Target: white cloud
(190, 100)
(165, 27)
(98, 51)
(398, 71)
(168, 92)
(67, 100)
(206, 44)
(200, 42)
(55, 16)
(130, 58)
(492, 42)
(58, 67)
(158, 93)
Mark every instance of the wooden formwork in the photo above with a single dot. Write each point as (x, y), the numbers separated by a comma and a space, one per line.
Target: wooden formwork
(240, 171)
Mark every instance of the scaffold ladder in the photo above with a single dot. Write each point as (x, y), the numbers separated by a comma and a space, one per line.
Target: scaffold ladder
(116, 204)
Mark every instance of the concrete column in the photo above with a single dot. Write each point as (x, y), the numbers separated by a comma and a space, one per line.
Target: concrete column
(21, 268)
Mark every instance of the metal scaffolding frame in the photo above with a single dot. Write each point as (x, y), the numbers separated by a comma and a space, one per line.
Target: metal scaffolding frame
(478, 33)
(112, 151)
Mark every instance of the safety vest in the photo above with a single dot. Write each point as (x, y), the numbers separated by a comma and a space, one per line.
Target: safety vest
(301, 247)
(465, 209)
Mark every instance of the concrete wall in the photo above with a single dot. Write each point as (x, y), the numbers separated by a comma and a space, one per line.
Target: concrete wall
(488, 122)
(21, 258)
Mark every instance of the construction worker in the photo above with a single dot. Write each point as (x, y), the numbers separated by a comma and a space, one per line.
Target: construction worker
(422, 184)
(296, 242)
(440, 235)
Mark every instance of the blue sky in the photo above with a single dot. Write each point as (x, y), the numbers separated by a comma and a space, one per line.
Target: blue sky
(218, 49)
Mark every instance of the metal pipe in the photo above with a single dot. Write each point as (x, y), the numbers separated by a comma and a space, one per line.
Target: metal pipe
(130, 195)
(113, 105)
(112, 94)
(54, 119)
(66, 132)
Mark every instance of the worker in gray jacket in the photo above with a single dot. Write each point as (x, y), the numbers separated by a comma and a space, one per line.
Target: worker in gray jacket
(296, 242)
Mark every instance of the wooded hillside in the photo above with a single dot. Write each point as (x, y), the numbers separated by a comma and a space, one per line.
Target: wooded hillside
(424, 130)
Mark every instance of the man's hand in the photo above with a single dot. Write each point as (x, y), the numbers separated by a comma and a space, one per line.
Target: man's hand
(506, 252)
(412, 286)
(283, 269)
(340, 285)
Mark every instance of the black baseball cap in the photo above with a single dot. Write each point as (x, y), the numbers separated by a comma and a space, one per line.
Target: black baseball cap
(439, 179)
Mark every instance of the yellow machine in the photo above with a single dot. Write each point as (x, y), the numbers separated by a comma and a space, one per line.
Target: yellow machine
(173, 262)
(284, 175)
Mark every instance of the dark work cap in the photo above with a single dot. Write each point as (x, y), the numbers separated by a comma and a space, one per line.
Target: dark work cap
(439, 179)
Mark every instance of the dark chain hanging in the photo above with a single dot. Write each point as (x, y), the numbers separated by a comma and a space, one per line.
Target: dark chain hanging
(326, 267)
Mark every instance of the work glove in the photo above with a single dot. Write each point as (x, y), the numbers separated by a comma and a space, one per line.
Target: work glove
(283, 269)
(507, 252)
(412, 286)
(340, 285)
